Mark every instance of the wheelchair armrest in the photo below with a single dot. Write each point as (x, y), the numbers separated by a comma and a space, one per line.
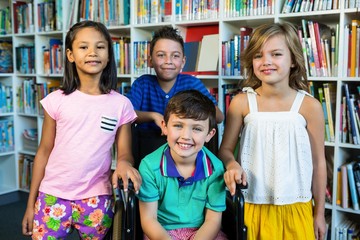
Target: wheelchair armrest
(235, 214)
(128, 200)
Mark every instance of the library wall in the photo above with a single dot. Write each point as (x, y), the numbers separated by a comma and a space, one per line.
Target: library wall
(31, 65)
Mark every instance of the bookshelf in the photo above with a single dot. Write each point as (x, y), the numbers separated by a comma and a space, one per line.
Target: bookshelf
(226, 18)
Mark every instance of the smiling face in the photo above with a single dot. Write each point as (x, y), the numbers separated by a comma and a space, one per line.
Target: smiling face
(167, 59)
(272, 64)
(89, 52)
(186, 137)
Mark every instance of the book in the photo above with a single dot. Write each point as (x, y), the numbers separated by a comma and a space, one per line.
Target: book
(209, 53)
(6, 57)
(344, 121)
(326, 116)
(344, 187)
(191, 52)
(354, 40)
(314, 48)
(339, 188)
(355, 138)
(356, 170)
(352, 187)
(330, 100)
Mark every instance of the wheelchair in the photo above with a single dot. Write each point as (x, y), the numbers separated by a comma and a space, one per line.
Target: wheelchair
(127, 226)
(126, 223)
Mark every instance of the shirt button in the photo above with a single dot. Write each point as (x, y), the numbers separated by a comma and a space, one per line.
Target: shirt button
(166, 96)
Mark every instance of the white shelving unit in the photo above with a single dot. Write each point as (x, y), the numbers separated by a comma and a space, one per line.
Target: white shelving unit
(227, 28)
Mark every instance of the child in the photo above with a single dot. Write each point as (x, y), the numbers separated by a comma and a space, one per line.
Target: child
(281, 140)
(183, 192)
(71, 186)
(150, 94)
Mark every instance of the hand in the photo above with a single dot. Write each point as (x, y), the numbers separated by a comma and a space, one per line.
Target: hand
(27, 222)
(158, 118)
(125, 171)
(319, 227)
(234, 175)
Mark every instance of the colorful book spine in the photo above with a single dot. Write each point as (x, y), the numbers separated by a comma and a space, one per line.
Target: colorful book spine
(329, 93)
(352, 187)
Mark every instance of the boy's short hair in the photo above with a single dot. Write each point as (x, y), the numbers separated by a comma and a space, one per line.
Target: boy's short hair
(166, 32)
(191, 104)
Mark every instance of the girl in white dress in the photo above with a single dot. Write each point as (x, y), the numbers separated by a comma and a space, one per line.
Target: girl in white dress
(281, 129)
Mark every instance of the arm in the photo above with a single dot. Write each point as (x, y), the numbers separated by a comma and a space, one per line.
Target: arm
(149, 223)
(234, 121)
(40, 161)
(124, 168)
(315, 126)
(149, 117)
(211, 225)
(219, 115)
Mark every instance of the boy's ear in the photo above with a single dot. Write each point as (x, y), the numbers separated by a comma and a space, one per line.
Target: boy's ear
(69, 55)
(163, 127)
(210, 135)
(183, 62)
(150, 61)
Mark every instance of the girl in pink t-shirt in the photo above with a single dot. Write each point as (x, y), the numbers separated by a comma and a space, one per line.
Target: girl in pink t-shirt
(72, 183)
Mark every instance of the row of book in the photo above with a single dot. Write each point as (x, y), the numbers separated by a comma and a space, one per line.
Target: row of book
(123, 87)
(229, 91)
(109, 12)
(325, 92)
(320, 48)
(6, 99)
(26, 163)
(294, 6)
(202, 55)
(141, 57)
(352, 49)
(53, 57)
(122, 52)
(231, 50)
(351, 4)
(7, 143)
(6, 57)
(25, 58)
(23, 17)
(5, 21)
(29, 94)
(350, 114)
(239, 8)
(153, 11)
(348, 185)
(347, 230)
(188, 10)
(49, 16)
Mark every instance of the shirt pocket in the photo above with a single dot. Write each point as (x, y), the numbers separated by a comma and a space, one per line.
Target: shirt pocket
(108, 124)
(198, 202)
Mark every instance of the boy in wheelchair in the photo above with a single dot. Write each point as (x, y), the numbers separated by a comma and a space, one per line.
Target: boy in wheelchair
(183, 192)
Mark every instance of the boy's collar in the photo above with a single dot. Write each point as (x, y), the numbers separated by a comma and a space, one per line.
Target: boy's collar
(203, 168)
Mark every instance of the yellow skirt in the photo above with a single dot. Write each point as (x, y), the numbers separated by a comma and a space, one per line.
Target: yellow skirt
(287, 222)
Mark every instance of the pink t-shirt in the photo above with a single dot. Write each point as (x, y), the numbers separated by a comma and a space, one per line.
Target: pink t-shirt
(86, 125)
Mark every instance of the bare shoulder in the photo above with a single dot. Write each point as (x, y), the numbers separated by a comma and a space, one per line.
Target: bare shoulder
(240, 98)
(311, 107)
(239, 104)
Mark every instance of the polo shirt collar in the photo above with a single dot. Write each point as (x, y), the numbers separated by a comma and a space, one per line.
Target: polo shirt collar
(203, 168)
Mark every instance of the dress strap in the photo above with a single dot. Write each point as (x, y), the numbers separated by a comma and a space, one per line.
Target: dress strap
(297, 102)
(252, 101)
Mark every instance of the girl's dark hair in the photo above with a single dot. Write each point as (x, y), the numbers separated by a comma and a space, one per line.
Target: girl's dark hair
(191, 104)
(108, 80)
(167, 32)
(298, 77)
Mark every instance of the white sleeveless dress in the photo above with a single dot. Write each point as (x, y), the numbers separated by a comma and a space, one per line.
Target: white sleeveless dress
(275, 153)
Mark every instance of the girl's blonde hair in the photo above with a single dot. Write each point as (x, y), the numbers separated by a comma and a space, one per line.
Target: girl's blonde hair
(298, 77)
